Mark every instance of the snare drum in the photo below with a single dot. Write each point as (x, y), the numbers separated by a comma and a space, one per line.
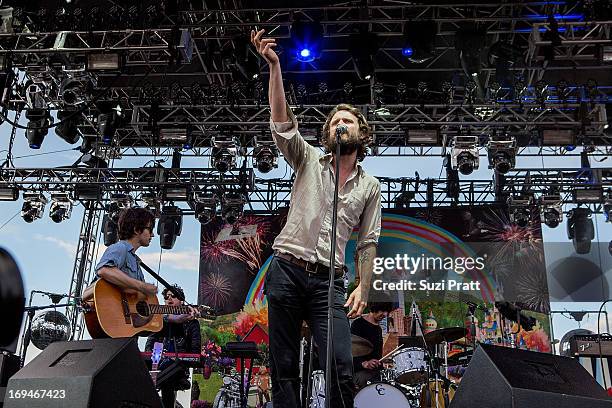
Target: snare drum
(381, 395)
(410, 365)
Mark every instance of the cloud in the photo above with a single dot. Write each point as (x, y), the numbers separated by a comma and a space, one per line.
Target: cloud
(188, 260)
(68, 247)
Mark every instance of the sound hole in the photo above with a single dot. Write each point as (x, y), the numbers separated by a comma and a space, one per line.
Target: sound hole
(142, 308)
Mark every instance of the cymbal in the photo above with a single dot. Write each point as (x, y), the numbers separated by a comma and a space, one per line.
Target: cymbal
(360, 346)
(460, 358)
(448, 334)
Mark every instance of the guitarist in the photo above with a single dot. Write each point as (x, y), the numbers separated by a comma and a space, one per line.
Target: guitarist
(180, 334)
(118, 265)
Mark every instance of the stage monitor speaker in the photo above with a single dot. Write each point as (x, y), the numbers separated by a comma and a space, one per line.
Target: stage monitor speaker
(84, 374)
(501, 377)
(9, 365)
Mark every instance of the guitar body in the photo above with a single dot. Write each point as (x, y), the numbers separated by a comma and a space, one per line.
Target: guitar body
(115, 313)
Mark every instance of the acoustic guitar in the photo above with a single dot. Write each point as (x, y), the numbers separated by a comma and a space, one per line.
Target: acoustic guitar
(115, 313)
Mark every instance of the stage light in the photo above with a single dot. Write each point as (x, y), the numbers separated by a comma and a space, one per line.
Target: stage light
(88, 192)
(469, 43)
(232, 206)
(67, 129)
(541, 91)
(108, 123)
(72, 91)
(607, 208)
(110, 221)
(265, 157)
(61, 207)
(170, 226)
(205, 206)
(176, 136)
(38, 127)
(95, 162)
(9, 193)
(6, 20)
(419, 40)
(464, 154)
(103, 62)
(563, 90)
(520, 209)
(453, 187)
(224, 155)
(606, 54)
(558, 137)
(580, 229)
(502, 153)
(588, 195)
(422, 137)
(152, 203)
(551, 210)
(363, 46)
(307, 40)
(33, 206)
(177, 192)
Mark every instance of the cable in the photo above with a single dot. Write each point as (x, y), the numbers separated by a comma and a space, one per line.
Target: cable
(10, 219)
(603, 373)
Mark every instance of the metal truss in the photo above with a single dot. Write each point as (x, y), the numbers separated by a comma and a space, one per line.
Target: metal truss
(83, 265)
(266, 196)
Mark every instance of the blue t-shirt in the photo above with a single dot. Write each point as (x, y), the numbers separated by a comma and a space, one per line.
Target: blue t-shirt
(121, 255)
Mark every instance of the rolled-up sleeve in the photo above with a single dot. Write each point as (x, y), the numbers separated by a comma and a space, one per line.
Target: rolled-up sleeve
(370, 222)
(291, 144)
(114, 256)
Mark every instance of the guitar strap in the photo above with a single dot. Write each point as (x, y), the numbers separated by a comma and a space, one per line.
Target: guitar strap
(160, 280)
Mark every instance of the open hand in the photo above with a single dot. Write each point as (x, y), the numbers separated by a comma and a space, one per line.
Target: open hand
(265, 46)
(356, 302)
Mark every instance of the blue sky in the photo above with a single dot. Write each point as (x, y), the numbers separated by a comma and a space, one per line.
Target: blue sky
(45, 251)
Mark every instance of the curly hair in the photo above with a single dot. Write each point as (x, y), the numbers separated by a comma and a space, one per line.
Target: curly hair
(364, 129)
(177, 289)
(133, 221)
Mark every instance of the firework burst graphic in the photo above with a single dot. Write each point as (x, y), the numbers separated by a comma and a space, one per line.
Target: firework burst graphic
(430, 215)
(216, 290)
(532, 291)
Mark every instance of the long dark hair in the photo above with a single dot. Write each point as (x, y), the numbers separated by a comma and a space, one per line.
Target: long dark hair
(133, 221)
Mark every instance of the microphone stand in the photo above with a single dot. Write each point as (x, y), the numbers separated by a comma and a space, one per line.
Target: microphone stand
(332, 273)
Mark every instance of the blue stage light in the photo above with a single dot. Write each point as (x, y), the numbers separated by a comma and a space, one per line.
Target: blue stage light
(407, 51)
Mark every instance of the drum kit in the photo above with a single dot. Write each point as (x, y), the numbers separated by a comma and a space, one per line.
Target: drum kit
(414, 374)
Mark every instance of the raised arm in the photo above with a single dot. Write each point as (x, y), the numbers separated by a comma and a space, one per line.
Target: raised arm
(276, 91)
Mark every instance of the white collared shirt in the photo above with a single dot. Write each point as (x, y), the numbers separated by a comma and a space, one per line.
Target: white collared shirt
(307, 232)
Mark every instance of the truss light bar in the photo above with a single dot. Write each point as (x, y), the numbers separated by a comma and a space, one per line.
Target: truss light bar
(104, 62)
(558, 137)
(423, 137)
(9, 193)
(586, 195)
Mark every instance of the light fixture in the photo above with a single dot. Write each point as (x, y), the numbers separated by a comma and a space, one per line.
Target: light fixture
(170, 226)
(72, 91)
(152, 203)
(61, 207)
(464, 154)
(176, 192)
(88, 192)
(419, 40)
(607, 208)
(502, 153)
(67, 129)
(232, 206)
(205, 206)
(224, 155)
(104, 62)
(469, 43)
(108, 123)
(307, 40)
(588, 195)
(33, 206)
(6, 20)
(363, 46)
(93, 161)
(558, 137)
(551, 210)
(38, 127)
(422, 137)
(265, 157)
(176, 136)
(9, 193)
(520, 209)
(580, 229)
(110, 221)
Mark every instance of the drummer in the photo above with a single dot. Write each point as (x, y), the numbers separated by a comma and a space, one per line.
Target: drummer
(367, 368)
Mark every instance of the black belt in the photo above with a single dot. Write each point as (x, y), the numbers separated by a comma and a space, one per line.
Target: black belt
(314, 268)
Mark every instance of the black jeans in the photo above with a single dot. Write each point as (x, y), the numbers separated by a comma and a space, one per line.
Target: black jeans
(295, 295)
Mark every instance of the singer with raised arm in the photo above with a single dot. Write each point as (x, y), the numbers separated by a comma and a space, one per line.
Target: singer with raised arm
(298, 276)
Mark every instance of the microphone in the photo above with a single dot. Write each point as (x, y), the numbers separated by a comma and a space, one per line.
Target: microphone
(340, 129)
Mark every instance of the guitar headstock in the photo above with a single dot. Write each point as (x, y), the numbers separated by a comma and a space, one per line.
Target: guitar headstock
(206, 312)
(156, 354)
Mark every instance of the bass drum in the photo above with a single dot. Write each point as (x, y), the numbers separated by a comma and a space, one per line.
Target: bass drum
(381, 395)
(435, 389)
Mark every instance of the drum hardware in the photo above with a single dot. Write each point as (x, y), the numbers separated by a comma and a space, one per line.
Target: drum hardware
(360, 347)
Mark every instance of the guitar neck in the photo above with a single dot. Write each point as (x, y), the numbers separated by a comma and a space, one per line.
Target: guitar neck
(175, 310)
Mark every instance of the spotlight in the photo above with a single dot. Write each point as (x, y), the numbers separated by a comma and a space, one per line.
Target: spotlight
(61, 207)
(580, 229)
(520, 209)
(170, 226)
(464, 155)
(307, 39)
(67, 128)
(418, 40)
(502, 154)
(72, 91)
(33, 206)
(93, 161)
(607, 208)
(470, 43)
(224, 156)
(551, 211)
(110, 221)
(205, 207)
(152, 203)
(104, 62)
(38, 127)
(108, 123)
(265, 157)
(232, 207)
(9, 193)
(362, 47)
(6, 20)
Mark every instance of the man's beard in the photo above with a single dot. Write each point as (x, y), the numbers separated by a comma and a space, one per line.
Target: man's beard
(347, 147)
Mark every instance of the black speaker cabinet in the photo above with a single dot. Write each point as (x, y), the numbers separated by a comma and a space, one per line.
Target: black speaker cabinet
(500, 377)
(84, 374)
(9, 365)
